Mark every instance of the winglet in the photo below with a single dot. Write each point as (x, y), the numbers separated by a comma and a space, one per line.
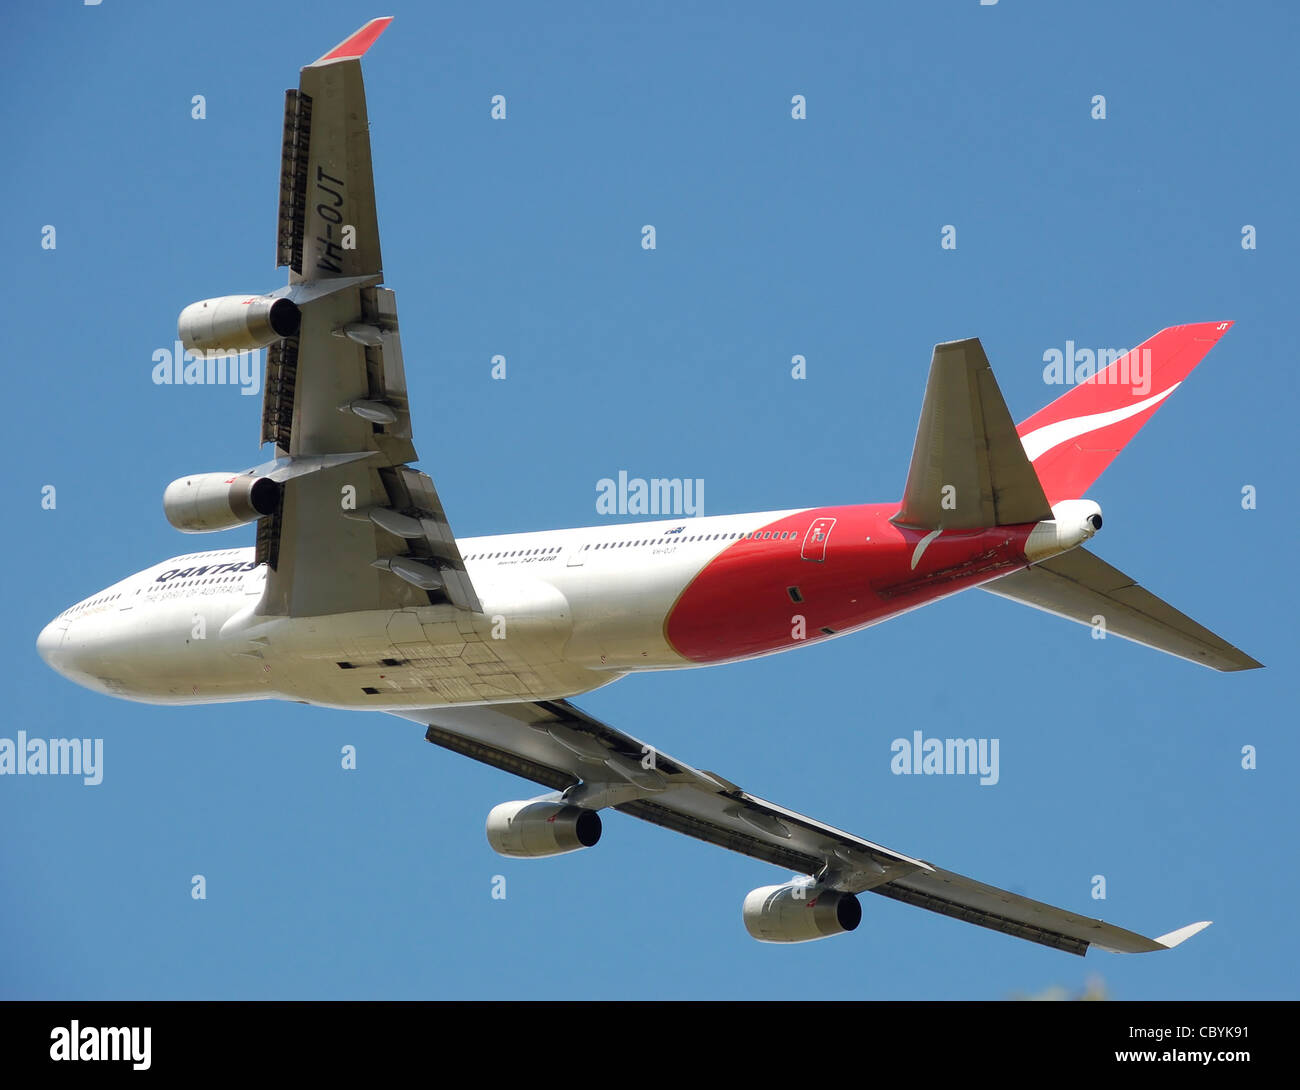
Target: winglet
(1117, 941)
(356, 44)
(1172, 939)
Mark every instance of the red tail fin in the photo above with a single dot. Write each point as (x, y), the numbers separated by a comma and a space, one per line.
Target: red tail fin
(1077, 436)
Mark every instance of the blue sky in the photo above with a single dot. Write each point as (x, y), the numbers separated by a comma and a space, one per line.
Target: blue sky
(775, 237)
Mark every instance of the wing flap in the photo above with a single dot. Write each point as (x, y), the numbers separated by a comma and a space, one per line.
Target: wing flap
(419, 500)
(291, 221)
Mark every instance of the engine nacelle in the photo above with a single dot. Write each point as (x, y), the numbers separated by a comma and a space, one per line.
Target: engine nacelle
(218, 501)
(236, 322)
(529, 830)
(799, 911)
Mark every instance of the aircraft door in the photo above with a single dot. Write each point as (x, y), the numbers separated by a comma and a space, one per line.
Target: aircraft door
(814, 540)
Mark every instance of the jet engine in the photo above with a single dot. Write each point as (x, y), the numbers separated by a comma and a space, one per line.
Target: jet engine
(530, 830)
(237, 322)
(799, 911)
(205, 502)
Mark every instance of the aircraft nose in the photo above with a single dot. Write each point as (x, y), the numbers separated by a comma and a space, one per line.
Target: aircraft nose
(49, 642)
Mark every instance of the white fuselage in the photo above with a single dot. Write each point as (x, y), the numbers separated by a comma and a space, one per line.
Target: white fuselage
(564, 612)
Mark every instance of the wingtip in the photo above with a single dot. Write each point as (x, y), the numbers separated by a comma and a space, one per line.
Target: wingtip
(356, 43)
(1172, 939)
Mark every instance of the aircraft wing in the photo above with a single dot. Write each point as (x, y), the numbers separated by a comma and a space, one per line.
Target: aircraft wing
(356, 527)
(591, 764)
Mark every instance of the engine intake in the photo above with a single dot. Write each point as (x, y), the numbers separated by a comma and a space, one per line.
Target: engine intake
(531, 830)
(236, 322)
(799, 911)
(205, 502)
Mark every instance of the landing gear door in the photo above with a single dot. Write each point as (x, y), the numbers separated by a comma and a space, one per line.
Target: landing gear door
(814, 541)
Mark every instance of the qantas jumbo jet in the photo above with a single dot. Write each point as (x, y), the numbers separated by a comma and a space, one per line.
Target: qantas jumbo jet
(358, 594)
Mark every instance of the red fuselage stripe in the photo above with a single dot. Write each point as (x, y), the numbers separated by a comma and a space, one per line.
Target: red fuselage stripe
(826, 571)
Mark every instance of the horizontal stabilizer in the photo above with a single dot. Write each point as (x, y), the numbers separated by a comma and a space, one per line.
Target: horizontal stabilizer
(969, 469)
(1080, 587)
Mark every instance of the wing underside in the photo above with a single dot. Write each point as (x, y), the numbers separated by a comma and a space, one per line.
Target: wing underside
(357, 527)
(589, 763)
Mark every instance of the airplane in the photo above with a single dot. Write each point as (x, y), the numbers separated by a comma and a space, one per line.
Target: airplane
(358, 595)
